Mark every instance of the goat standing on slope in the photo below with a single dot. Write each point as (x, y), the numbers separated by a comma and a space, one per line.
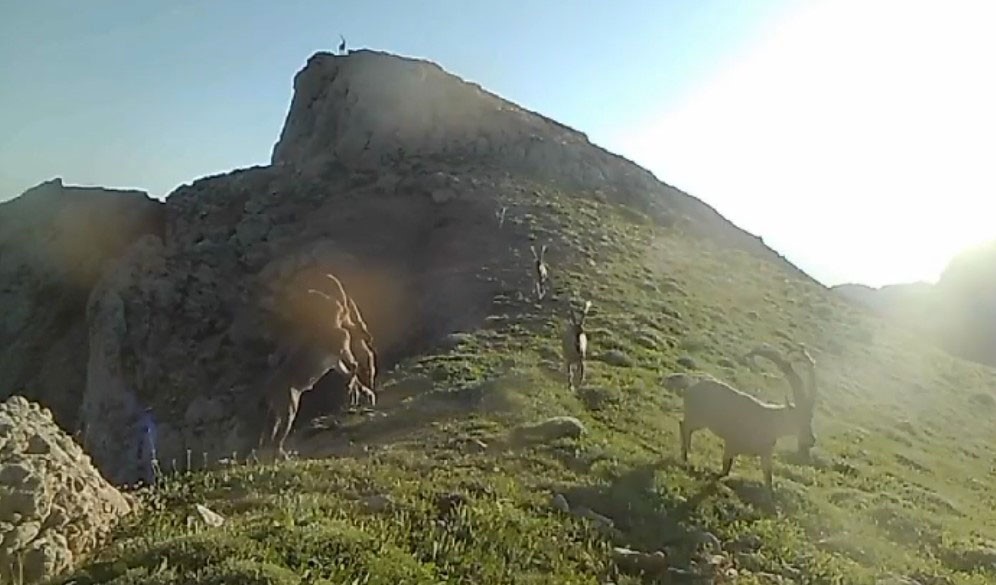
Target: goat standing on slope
(540, 271)
(575, 346)
(746, 425)
(304, 364)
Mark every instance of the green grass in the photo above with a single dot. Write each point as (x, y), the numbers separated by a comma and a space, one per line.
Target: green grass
(899, 483)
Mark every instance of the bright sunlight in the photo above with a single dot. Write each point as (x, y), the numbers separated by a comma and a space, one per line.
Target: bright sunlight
(855, 134)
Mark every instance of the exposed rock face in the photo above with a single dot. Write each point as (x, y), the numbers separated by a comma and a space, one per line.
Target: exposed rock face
(891, 300)
(54, 505)
(55, 242)
(387, 174)
(184, 325)
(959, 312)
(370, 109)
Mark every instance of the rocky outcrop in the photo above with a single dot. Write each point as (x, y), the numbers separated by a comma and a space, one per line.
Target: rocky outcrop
(55, 243)
(958, 312)
(184, 325)
(54, 505)
(371, 109)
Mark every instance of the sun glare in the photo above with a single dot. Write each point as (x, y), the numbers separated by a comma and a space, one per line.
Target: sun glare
(857, 134)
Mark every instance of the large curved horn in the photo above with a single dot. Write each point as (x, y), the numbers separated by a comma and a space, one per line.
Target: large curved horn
(325, 296)
(791, 376)
(357, 319)
(335, 288)
(340, 308)
(810, 371)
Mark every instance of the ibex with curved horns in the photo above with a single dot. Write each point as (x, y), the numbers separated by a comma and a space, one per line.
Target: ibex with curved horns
(747, 425)
(303, 364)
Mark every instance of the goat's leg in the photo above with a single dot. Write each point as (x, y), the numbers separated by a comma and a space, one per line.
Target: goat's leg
(686, 439)
(371, 395)
(580, 373)
(727, 461)
(355, 392)
(272, 422)
(287, 419)
(282, 430)
(268, 438)
(268, 429)
(368, 392)
(367, 376)
(766, 467)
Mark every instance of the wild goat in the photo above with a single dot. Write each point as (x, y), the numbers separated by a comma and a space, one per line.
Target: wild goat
(541, 272)
(302, 366)
(299, 368)
(747, 425)
(575, 345)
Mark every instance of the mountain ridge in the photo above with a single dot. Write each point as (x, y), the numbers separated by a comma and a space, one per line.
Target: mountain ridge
(958, 312)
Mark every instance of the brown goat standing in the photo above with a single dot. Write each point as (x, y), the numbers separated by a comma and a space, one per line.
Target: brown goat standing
(575, 346)
(304, 365)
(540, 271)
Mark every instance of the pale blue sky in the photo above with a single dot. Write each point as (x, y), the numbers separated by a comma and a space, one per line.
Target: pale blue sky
(155, 94)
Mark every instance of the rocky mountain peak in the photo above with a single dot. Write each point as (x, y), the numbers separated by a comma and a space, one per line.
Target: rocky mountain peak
(368, 110)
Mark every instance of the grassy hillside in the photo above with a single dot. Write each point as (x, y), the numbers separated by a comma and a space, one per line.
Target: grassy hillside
(433, 488)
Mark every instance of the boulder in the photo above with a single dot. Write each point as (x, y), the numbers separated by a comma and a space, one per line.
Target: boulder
(54, 505)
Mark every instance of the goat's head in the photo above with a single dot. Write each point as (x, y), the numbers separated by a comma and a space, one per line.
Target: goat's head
(540, 258)
(577, 321)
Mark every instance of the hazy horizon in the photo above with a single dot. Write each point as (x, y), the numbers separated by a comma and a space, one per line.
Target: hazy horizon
(852, 136)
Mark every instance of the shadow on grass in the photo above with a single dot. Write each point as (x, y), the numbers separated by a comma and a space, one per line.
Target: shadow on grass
(648, 515)
(354, 434)
(651, 512)
(412, 411)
